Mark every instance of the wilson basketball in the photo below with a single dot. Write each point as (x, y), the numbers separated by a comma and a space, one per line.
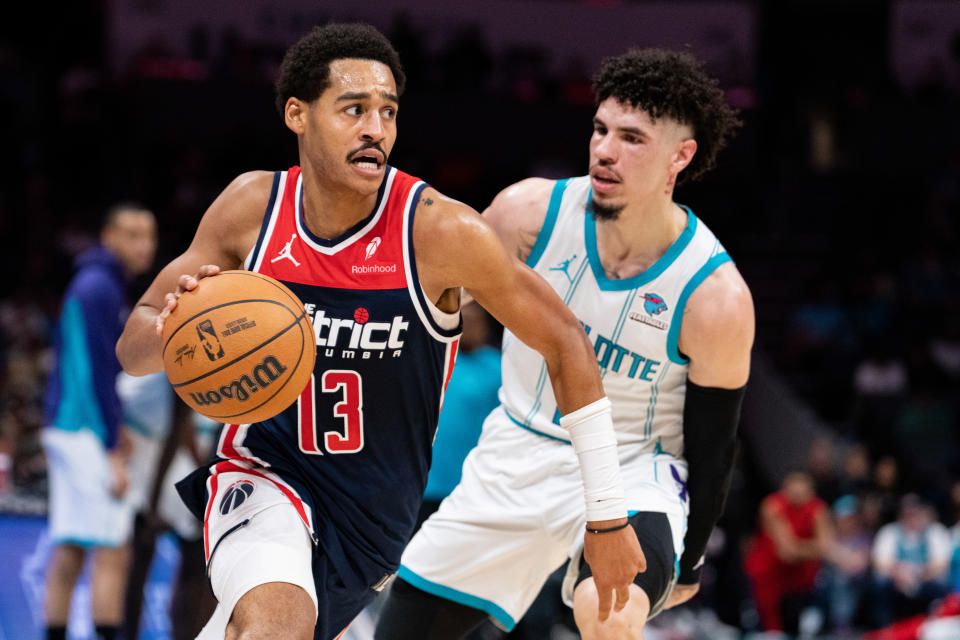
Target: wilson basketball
(239, 348)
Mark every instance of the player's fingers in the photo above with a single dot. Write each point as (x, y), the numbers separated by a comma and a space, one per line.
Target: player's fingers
(604, 600)
(186, 283)
(623, 596)
(208, 270)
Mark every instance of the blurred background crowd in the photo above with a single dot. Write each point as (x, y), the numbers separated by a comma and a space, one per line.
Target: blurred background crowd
(839, 201)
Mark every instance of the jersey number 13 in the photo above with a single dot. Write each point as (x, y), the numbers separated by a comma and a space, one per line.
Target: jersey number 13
(349, 409)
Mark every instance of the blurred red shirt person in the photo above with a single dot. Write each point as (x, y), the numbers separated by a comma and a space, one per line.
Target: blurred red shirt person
(784, 556)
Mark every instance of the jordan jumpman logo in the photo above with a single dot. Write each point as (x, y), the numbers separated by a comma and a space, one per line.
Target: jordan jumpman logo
(564, 266)
(287, 253)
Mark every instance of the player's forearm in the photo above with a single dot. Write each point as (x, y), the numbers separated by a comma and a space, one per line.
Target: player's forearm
(586, 414)
(139, 347)
(573, 371)
(710, 419)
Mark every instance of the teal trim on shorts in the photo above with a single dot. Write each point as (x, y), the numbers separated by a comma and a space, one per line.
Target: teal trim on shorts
(553, 209)
(88, 543)
(673, 334)
(532, 430)
(460, 597)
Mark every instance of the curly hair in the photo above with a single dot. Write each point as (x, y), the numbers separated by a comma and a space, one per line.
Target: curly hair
(305, 70)
(672, 85)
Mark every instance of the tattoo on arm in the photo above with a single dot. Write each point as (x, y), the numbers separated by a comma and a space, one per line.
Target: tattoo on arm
(427, 201)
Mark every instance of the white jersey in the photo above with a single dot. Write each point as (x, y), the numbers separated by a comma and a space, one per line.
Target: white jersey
(634, 325)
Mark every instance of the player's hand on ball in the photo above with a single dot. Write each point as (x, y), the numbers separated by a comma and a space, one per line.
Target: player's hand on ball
(681, 593)
(184, 284)
(615, 559)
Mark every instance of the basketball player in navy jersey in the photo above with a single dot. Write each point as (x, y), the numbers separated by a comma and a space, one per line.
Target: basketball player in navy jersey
(672, 323)
(306, 514)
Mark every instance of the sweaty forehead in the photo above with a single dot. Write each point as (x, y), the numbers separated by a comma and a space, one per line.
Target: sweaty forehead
(360, 75)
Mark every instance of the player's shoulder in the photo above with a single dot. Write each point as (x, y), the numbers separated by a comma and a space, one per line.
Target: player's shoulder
(251, 189)
(443, 217)
(242, 202)
(721, 304)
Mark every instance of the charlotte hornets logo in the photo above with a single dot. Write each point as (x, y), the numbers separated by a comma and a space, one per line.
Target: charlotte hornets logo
(235, 495)
(653, 305)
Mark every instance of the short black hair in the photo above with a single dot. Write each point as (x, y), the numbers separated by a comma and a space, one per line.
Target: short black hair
(305, 70)
(118, 209)
(673, 85)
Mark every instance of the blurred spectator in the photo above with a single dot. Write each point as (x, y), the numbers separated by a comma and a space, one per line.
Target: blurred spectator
(793, 536)
(911, 558)
(855, 480)
(926, 429)
(821, 466)
(845, 576)
(86, 451)
(165, 447)
(885, 493)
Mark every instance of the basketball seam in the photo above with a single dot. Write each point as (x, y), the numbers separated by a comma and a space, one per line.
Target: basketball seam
(271, 281)
(279, 389)
(220, 306)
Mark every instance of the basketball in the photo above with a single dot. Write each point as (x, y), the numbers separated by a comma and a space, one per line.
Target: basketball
(239, 348)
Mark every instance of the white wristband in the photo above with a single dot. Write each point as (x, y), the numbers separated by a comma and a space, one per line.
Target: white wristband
(594, 441)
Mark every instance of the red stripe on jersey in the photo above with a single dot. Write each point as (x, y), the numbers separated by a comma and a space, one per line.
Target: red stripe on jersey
(306, 420)
(212, 491)
(451, 361)
(227, 450)
(227, 466)
(367, 258)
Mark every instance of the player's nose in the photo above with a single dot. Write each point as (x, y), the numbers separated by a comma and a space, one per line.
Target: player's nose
(605, 149)
(372, 126)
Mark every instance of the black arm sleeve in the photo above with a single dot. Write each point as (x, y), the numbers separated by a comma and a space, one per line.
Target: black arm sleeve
(710, 418)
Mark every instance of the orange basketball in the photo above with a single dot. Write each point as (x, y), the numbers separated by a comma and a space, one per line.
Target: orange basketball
(239, 348)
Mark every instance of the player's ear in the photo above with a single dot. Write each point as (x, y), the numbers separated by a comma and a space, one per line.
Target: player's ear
(683, 154)
(295, 115)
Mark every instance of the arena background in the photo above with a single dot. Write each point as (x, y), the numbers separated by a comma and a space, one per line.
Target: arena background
(839, 199)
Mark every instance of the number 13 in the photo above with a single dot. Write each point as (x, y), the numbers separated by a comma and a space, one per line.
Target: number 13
(349, 409)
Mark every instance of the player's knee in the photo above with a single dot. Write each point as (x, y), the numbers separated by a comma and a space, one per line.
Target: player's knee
(273, 610)
(67, 563)
(626, 624)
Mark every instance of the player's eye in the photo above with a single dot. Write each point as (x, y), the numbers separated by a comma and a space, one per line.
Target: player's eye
(354, 110)
(390, 113)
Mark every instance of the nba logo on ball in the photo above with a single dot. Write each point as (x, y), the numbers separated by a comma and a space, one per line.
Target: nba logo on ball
(235, 495)
(209, 340)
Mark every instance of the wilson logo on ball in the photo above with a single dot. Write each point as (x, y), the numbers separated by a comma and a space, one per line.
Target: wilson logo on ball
(240, 389)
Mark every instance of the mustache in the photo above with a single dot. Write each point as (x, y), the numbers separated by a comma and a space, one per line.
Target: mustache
(364, 147)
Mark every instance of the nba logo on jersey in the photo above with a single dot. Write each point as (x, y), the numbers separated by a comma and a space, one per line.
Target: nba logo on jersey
(235, 495)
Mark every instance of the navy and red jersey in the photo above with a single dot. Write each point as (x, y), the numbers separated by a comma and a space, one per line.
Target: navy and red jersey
(354, 451)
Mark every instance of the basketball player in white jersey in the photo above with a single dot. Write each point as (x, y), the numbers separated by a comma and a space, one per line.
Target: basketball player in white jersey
(672, 324)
